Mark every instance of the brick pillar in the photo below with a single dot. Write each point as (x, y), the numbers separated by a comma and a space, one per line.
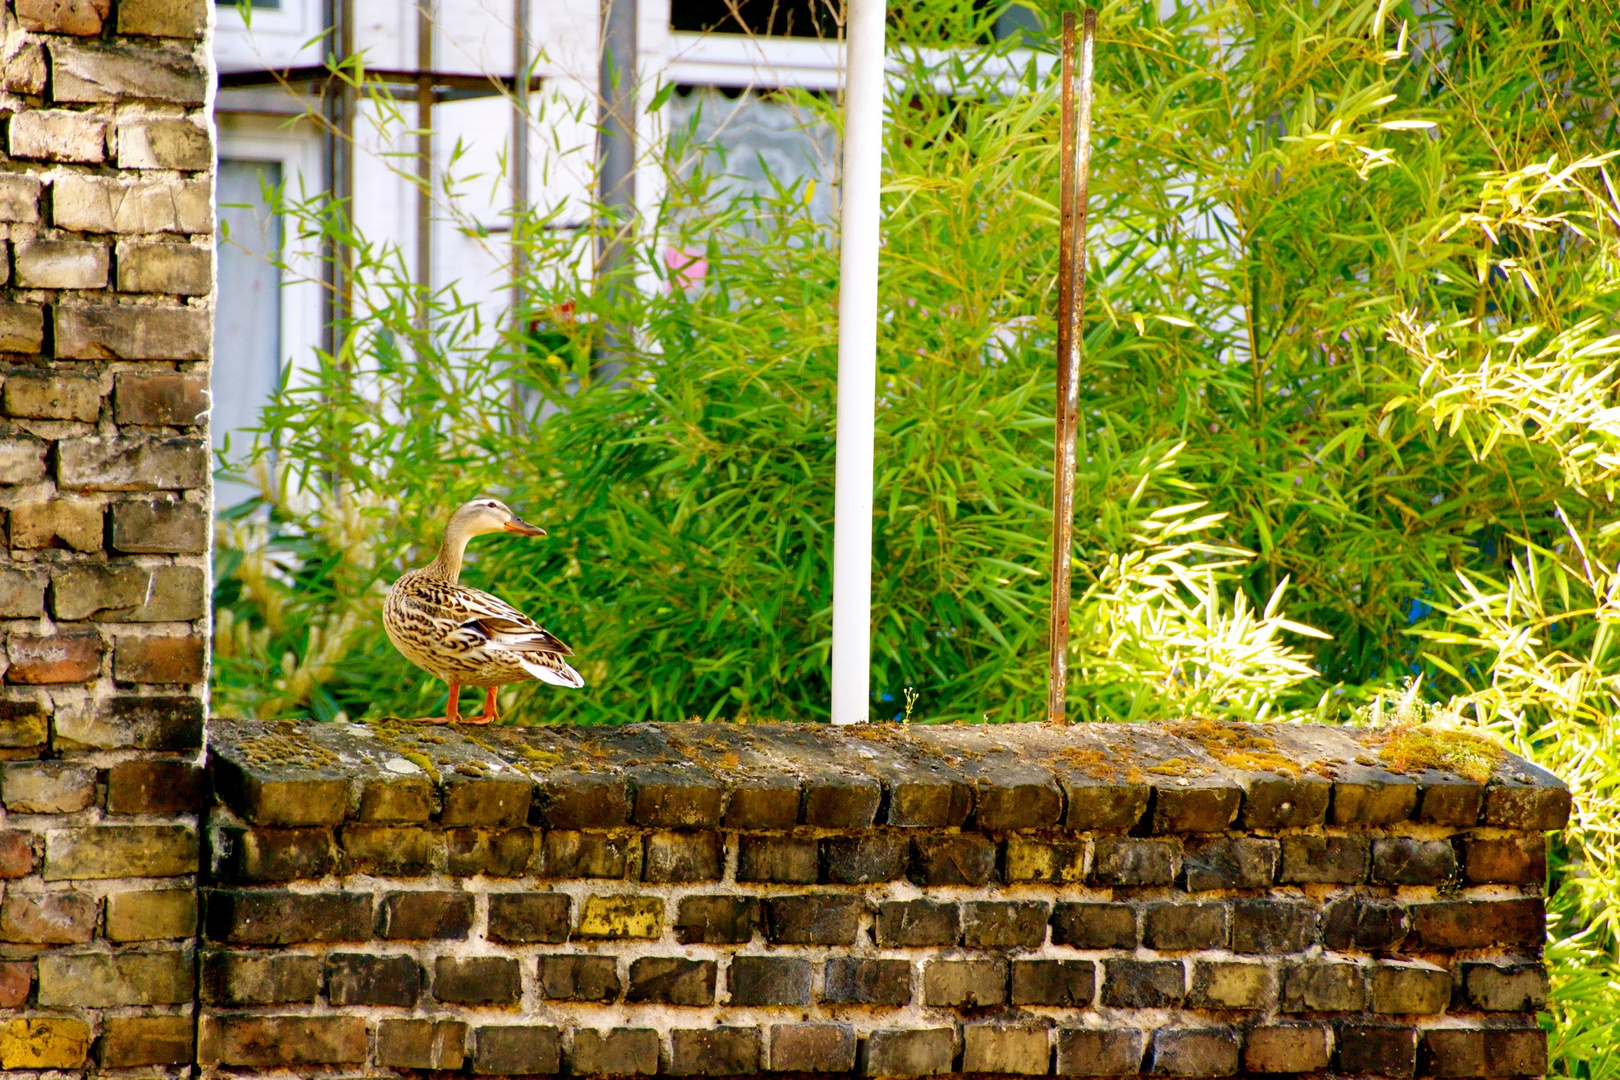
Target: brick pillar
(106, 259)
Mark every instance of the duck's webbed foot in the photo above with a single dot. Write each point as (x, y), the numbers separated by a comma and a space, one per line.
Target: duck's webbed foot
(452, 710)
(490, 714)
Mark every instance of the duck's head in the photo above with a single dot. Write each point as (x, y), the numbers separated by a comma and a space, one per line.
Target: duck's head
(483, 516)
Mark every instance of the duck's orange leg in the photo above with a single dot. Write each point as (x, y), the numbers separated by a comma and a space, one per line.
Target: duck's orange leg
(452, 709)
(490, 712)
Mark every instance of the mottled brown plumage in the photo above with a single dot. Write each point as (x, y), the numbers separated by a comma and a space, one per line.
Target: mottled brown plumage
(468, 636)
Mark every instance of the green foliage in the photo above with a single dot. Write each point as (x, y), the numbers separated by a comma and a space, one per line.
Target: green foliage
(1347, 400)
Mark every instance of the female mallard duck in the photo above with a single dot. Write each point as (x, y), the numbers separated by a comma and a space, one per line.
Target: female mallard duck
(465, 636)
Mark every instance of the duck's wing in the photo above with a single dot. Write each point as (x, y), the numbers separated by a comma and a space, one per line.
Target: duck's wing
(483, 618)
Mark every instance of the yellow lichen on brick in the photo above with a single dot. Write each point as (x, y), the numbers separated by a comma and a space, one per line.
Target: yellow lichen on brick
(44, 1043)
(1427, 746)
(622, 917)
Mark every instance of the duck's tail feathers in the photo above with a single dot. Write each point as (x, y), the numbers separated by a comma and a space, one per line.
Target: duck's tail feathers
(551, 668)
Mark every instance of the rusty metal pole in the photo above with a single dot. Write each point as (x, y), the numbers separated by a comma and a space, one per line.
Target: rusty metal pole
(1073, 188)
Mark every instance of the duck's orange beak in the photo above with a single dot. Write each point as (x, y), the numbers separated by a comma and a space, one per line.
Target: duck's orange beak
(523, 528)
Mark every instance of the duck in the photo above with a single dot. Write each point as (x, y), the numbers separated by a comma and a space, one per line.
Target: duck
(469, 637)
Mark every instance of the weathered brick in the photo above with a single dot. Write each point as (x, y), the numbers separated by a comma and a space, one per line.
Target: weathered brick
(19, 194)
(581, 801)
(1060, 863)
(763, 802)
(136, 722)
(498, 800)
(119, 71)
(164, 18)
(1093, 805)
(516, 1050)
(671, 980)
(47, 1042)
(855, 981)
(151, 915)
(53, 918)
(277, 1041)
(53, 787)
(1373, 797)
(171, 658)
(265, 855)
(716, 1051)
(22, 460)
(427, 915)
(1509, 860)
(52, 396)
(277, 917)
(24, 70)
(1125, 861)
(496, 852)
(1323, 986)
(166, 398)
(79, 17)
(477, 980)
(622, 917)
(1230, 863)
(717, 920)
(61, 264)
(128, 593)
(1409, 988)
(1143, 984)
(838, 800)
(1536, 808)
(22, 593)
(615, 1052)
(960, 859)
(571, 854)
(1284, 802)
(363, 979)
(73, 523)
(669, 799)
(1272, 926)
(1363, 922)
(1094, 925)
(391, 850)
(1403, 860)
(63, 657)
(821, 1048)
(256, 978)
(784, 859)
(769, 980)
(16, 983)
(156, 267)
(908, 1052)
(1466, 1052)
(16, 853)
(396, 798)
(1450, 803)
(58, 135)
(812, 920)
(573, 977)
(1005, 924)
(1018, 799)
(122, 463)
(528, 918)
(1070, 984)
(1195, 1052)
(683, 857)
(964, 983)
(1505, 987)
(1288, 1048)
(106, 980)
(112, 851)
(864, 859)
(1011, 1049)
(926, 799)
(1229, 984)
(1099, 1051)
(1195, 809)
(129, 332)
(128, 1041)
(1339, 860)
(422, 1044)
(22, 330)
(1477, 924)
(910, 923)
(1174, 926)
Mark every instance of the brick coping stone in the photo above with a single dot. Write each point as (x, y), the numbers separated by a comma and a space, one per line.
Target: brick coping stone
(1180, 899)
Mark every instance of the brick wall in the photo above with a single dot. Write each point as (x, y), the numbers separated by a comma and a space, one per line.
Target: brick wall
(106, 261)
(706, 899)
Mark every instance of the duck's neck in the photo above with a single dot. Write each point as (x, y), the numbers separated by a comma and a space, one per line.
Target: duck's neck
(447, 566)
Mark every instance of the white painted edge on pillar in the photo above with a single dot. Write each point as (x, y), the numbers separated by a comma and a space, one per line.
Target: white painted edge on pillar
(859, 241)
